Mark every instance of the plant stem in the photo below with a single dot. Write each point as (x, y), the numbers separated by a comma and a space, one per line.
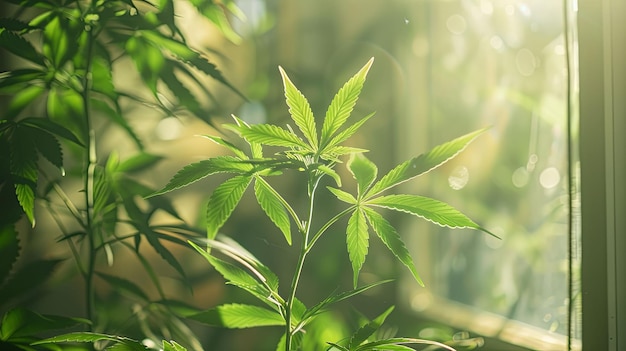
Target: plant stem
(90, 167)
(304, 249)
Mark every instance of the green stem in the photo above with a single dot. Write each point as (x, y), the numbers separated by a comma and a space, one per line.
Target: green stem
(301, 258)
(90, 167)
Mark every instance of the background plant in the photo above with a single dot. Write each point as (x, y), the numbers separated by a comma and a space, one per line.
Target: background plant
(314, 153)
(61, 103)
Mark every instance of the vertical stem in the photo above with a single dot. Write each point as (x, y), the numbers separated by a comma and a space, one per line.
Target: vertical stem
(89, 171)
(304, 249)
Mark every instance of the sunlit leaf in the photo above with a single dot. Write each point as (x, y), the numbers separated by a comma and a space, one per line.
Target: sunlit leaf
(423, 163)
(239, 316)
(329, 171)
(430, 209)
(172, 346)
(368, 329)
(343, 135)
(273, 206)
(363, 170)
(19, 323)
(58, 45)
(220, 141)
(342, 104)
(199, 170)
(358, 242)
(90, 338)
(388, 234)
(223, 201)
(300, 110)
(388, 343)
(65, 107)
(342, 195)
(148, 59)
(268, 134)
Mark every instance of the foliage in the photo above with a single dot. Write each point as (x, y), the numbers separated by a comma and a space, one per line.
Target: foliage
(63, 90)
(314, 153)
(60, 92)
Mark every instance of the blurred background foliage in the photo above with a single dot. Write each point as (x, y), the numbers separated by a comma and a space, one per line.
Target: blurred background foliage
(442, 68)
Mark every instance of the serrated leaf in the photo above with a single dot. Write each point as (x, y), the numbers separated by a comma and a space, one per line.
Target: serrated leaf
(51, 127)
(388, 234)
(200, 170)
(90, 338)
(230, 146)
(327, 302)
(9, 250)
(239, 278)
(121, 284)
(430, 209)
(223, 201)
(342, 104)
(24, 169)
(423, 163)
(20, 47)
(49, 147)
(368, 329)
(270, 202)
(27, 277)
(342, 195)
(172, 346)
(19, 323)
(238, 316)
(300, 110)
(363, 170)
(346, 133)
(14, 24)
(357, 238)
(330, 172)
(384, 344)
(268, 134)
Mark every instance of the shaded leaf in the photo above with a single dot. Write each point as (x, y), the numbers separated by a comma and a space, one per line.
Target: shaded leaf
(51, 127)
(423, 163)
(16, 80)
(300, 110)
(20, 47)
(223, 201)
(9, 250)
(121, 284)
(27, 278)
(239, 316)
(139, 162)
(114, 115)
(271, 203)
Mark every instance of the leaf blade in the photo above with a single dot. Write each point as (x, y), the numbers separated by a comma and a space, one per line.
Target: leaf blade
(223, 201)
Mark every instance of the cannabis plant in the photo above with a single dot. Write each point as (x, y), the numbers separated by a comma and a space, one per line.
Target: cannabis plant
(315, 153)
(60, 99)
